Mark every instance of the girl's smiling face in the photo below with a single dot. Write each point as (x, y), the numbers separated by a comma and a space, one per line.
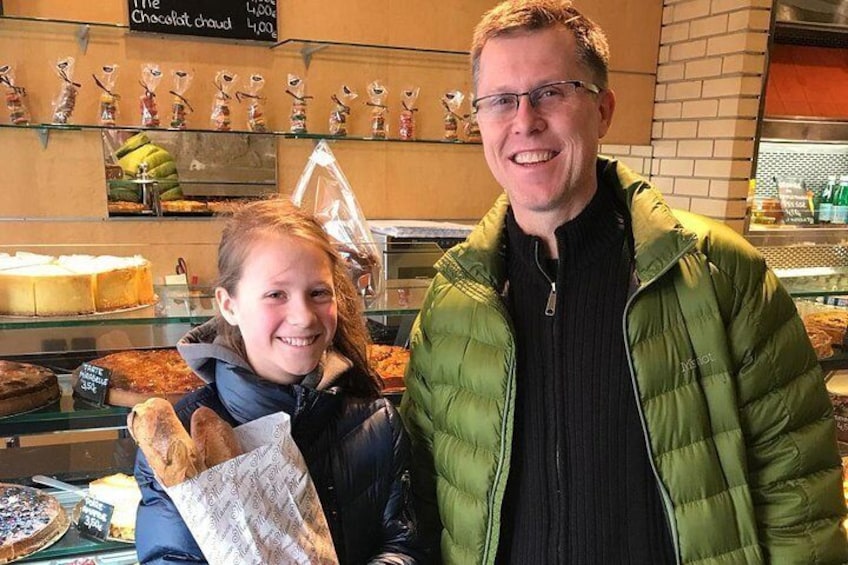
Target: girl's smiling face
(285, 307)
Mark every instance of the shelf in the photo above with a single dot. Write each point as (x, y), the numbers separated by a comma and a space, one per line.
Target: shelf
(814, 281)
(178, 305)
(308, 49)
(44, 131)
(68, 413)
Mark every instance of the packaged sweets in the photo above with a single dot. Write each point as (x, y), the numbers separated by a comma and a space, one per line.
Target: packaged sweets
(66, 101)
(341, 110)
(451, 101)
(255, 111)
(108, 109)
(408, 98)
(179, 104)
(224, 82)
(296, 88)
(377, 100)
(150, 77)
(15, 97)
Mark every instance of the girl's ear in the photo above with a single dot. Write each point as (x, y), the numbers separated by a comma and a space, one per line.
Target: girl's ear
(226, 305)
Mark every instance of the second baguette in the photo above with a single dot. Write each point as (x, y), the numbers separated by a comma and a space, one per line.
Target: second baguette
(214, 439)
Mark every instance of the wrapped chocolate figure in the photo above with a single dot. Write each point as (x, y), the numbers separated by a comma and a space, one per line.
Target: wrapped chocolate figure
(179, 104)
(150, 77)
(341, 110)
(108, 109)
(15, 97)
(296, 88)
(224, 82)
(377, 94)
(66, 101)
(408, 99)
(256, 110)
(451, 101)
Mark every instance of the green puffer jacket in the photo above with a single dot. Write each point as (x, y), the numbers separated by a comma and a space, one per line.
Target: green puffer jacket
(733, 403)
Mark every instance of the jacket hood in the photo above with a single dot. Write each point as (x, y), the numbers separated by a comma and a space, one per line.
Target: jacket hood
(202, 348)
(658, 236)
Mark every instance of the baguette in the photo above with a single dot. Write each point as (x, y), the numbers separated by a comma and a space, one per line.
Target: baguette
(164, 441)
(214, 439)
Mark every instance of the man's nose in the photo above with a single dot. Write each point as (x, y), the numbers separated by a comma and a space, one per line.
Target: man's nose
(527, 118)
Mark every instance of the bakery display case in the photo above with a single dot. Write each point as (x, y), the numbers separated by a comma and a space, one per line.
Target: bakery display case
(77, 442)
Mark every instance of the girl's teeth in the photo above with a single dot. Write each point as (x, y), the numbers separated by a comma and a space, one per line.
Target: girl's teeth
(298, 341)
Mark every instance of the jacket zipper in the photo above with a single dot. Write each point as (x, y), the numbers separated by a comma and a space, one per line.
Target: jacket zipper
(550, 307)
(668, 506)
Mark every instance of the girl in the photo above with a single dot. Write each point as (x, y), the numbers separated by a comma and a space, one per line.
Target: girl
(290, 337)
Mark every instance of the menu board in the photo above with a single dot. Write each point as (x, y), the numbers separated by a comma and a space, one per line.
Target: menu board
(246, 19)
(795, 202)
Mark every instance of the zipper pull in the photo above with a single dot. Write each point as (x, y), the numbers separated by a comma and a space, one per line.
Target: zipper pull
(550, 307)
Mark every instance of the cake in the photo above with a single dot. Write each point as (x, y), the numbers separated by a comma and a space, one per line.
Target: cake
(25, 387)
(30, 520)
(121, 492)
(42, 285)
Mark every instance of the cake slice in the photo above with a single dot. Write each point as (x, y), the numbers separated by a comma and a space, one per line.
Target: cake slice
(122, 492)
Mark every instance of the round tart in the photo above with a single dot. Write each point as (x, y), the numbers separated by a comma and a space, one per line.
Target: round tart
(25, 387)
(139, 375)
(30, 520)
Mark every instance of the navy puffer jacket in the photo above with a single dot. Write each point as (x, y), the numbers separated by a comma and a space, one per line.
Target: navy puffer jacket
(356, 450)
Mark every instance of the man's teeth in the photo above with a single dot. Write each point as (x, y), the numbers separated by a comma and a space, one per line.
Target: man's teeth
(299, 341)
(528, 157)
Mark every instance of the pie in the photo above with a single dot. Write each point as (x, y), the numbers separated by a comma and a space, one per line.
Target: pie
(183, 206)
(390, 362)
(30, 520)
(25, 387)
(141, 374)
(834, 322)
(124, 207)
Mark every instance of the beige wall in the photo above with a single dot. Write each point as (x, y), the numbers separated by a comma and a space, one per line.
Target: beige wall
(65, 179)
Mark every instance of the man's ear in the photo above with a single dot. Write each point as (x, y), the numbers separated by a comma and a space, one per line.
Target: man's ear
(226, 305)
(606, 107)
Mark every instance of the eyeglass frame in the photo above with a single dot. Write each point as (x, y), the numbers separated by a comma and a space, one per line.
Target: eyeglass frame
(589, 86)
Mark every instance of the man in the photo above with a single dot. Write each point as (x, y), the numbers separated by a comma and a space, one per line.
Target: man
(595, 378)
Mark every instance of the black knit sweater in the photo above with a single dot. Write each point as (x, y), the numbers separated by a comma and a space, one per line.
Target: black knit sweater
(580, 487)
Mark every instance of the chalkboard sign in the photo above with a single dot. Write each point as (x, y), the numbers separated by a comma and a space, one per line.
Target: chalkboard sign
(795, 202)
(94, 518)
(93, 383)
(230, 19)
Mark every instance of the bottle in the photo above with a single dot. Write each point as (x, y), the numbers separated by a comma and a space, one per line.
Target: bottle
(840, 202)
(826, 201)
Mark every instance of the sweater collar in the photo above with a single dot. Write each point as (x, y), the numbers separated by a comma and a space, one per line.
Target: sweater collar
(580, 241)
(658, 236)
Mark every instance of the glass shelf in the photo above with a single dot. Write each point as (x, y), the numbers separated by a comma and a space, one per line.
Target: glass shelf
(314, 46)
(68, 413)
(42, 21)
(814, 281)
(45, 129)
(179, 305)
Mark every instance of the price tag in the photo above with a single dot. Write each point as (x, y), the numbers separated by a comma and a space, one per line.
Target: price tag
(94, 518)
(796, 203)
(93, 383)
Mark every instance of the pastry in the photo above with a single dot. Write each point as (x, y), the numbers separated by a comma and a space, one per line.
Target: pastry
(164, 441)
(25, 387)
(139, 375)
(30, 520)
(122, 493)
(184, 206)
(821, 341)
(389, 361)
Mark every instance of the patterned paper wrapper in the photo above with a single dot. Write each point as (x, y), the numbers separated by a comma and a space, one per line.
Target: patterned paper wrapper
(260, 507)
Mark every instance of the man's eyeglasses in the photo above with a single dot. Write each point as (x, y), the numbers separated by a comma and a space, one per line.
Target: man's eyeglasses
(546, 98)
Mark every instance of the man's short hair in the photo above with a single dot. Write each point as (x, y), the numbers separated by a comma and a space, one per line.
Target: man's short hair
(514, 16)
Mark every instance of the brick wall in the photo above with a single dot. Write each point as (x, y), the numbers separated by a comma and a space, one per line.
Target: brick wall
(709, 79)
